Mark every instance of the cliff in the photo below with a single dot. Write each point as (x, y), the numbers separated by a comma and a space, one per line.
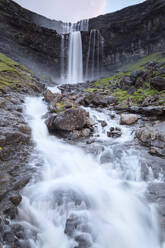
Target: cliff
(28, 43)
(129, 34)
(132, 33)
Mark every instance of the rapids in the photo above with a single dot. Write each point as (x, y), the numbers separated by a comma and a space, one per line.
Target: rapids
(76, 199)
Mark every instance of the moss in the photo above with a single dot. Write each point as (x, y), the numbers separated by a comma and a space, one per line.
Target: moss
(138, 96)
(13, 75)
(105, 82)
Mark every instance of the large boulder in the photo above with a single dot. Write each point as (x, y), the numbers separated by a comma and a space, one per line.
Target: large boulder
(72, 119)
(158, 83)
(154, 138)
(128, 119)
(96, 100)
(148, 111)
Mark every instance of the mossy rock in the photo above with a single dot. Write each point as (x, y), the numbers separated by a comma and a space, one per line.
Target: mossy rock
(14, 76)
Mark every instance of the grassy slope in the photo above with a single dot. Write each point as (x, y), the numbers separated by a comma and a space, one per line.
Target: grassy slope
(14, 76)
(103, 85)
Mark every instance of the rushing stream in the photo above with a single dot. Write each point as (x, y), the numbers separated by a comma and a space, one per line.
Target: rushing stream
(78, 200)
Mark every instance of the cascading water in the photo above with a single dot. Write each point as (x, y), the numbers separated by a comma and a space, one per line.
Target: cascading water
(62, 58)
(75, 59)
(94, 59)
(74, 73)
(81, 201)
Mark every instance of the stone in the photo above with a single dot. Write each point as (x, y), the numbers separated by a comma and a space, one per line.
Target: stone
(157, 151)
(135, 74)
(148, 111)
(114, 132)
(103, 123)
(86, 132)
(158, 83)
(128, 119)
(48, 96)
(72, 119)
(153, 137)
(16, 199)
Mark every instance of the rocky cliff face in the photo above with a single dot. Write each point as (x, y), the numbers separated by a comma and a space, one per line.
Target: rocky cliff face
(128, 34)
(131, 33)
(27, 42)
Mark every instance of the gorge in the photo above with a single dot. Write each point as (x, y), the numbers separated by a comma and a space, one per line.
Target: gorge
(82, 129)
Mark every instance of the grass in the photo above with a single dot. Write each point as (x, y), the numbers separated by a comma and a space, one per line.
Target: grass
(140, 65)
(105, 85)
(139, 96)
(13, 75)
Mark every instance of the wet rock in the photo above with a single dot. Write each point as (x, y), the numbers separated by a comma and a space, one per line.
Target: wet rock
(103, 123)
(158, 83)
(114, 132)
(128, 119)
(48, 96)
(89, 142)
(91, 122)
(53, 103)
(16, 199)
(72, 119)
(86, 132)
(148, 111)
(154, 138)
(24, 129)
(157, 151)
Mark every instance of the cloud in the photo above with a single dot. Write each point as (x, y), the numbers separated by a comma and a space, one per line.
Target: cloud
(66, 10)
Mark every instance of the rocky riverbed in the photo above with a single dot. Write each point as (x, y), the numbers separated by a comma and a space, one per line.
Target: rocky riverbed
(16, 82)
(73, 115)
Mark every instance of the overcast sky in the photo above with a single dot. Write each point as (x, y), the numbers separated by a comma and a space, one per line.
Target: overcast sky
(74, 10)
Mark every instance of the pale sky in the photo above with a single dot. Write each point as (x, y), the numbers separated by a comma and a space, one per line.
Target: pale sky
(74, 10)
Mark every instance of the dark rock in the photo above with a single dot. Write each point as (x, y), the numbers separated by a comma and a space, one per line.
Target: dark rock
(147, 111)
(103, 123)
(157, 151)
(115, 132)
(135, 74)
(158, 83)
(132, 90)
(70, 120)
(16, 199)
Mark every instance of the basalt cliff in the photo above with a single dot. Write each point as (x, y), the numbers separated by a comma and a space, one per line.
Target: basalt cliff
(128, 34)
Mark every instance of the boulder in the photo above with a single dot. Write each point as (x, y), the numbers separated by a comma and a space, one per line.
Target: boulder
(158, 83)
(72, 119)
(48, 96)
(128, 119)
(96, 100)
(154, 138)
(147, 111)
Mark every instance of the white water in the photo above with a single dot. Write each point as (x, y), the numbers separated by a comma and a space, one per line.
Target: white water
(105, 201)
(94, 55)
(75, 60)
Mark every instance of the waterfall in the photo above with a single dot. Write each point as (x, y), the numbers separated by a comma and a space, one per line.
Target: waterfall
(94, 61)
(75, 61)
(74, 73)
(94, 57)
(62, 58)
